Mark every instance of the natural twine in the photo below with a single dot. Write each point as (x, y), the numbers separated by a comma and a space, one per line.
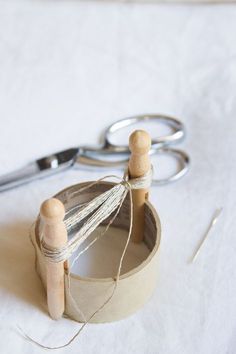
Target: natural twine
(102, 206)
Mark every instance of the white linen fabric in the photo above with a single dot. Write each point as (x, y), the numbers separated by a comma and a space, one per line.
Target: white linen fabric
(68, 69)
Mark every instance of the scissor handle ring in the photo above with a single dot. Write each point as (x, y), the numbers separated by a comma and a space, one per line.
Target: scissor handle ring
(183, 160)
(157, 143)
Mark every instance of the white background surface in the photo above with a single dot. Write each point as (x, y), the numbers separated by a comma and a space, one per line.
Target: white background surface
(67, 69)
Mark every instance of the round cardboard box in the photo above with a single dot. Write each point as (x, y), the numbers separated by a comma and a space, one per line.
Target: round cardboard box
(87, 294)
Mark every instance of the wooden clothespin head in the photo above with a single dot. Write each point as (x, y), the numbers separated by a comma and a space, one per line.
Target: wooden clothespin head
(139, 164)
(52, 212)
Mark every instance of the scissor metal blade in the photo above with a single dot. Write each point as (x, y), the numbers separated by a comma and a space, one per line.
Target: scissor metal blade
(40, 168)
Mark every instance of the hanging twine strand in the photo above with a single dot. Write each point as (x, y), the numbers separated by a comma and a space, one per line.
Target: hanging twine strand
(114, 287)
(103, 205)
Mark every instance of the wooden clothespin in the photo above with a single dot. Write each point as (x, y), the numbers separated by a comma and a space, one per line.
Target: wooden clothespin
(139, 164)
(52, 212)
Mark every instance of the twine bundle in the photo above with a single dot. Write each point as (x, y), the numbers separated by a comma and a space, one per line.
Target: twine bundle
(97, 210)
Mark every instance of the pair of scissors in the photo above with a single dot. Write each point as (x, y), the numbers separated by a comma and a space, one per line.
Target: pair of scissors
(98, 156)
